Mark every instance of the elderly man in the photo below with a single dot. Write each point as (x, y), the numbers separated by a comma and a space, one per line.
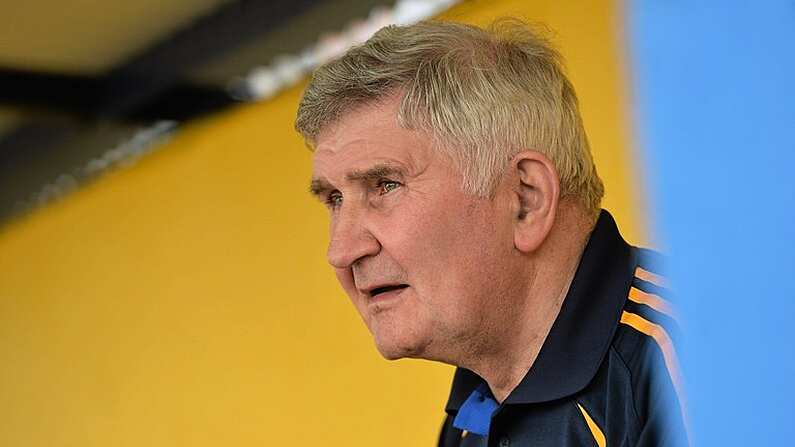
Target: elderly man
(466, 228)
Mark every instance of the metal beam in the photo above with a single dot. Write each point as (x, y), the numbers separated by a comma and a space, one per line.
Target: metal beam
(166, 64)
(76, 94)
(82, 97)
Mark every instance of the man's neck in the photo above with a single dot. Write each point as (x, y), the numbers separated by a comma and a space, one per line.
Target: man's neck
(525, 329)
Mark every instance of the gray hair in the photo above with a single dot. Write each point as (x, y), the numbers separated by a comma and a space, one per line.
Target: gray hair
(483, 95)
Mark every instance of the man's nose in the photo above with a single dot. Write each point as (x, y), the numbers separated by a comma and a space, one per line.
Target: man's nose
(350, 240)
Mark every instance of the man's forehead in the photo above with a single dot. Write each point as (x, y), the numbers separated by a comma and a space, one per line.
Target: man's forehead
(367, 136)
(350, 156)
(358, 123)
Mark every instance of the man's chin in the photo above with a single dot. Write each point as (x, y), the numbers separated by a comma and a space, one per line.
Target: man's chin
(393, 350)
(388, 355)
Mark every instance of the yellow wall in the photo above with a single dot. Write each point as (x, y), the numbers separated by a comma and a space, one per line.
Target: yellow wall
(186, 301)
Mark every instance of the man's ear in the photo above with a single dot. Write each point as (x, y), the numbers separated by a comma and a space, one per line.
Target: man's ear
(536, 189)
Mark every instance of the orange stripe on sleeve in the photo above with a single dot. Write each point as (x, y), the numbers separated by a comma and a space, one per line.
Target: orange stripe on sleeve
(663, 341)
(598, 436)
(652, 300)
(648, 276)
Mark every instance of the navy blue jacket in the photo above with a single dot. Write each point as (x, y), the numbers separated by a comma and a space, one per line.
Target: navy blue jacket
(607, 373)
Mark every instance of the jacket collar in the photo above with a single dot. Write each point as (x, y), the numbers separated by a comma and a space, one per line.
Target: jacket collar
(583, 330)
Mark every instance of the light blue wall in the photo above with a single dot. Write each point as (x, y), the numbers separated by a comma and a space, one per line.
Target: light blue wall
(714, 89)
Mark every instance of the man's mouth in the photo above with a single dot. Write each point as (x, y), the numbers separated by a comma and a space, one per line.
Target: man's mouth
(385, 289)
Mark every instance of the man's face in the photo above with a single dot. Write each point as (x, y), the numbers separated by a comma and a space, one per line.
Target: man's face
(422, 261)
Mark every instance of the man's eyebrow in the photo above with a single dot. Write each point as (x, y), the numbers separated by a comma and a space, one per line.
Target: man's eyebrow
(376, 172)
(320, 187)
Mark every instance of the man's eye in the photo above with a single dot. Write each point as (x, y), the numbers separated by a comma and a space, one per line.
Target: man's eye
(334, 200)
(386, 186)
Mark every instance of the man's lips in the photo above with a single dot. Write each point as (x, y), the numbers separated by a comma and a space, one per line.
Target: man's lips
(380, 290)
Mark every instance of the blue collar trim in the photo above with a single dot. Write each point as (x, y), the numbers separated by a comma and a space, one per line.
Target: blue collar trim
(475, 413)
